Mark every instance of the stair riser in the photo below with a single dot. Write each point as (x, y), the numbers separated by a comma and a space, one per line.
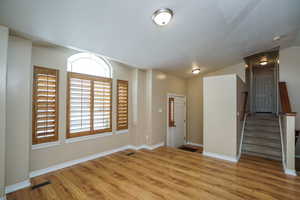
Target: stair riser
(273, 129)
(264, 156)
(262, 150)
(262, 123)
(262, 135)
(263, 143)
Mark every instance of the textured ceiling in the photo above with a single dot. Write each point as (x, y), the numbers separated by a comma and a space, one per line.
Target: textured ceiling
(209, 33)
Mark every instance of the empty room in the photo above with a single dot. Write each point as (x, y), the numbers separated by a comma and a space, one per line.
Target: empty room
(142, 100)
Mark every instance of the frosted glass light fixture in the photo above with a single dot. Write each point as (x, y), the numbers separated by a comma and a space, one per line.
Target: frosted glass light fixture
(196, 70)
(264, 61)
(162, 16)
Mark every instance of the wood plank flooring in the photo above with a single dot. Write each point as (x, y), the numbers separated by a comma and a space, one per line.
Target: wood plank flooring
(165, 173)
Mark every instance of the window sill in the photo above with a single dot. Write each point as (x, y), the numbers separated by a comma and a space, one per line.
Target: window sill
(88, 137)
(45, 145)
(121, 132)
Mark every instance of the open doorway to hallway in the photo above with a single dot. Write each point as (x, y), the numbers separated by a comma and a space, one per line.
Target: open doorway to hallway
(262, 82)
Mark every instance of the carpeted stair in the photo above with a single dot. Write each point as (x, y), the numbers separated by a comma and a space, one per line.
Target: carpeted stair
(262, 136)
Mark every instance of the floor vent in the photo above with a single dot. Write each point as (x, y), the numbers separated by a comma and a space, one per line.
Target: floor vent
(40, 185)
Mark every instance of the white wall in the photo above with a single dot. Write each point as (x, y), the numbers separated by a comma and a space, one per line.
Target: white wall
(195, 100)
(220, 115)
(289, 71)
(3, 69)
(18, 110)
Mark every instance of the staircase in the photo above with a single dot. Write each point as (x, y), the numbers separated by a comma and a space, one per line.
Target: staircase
(262, 136)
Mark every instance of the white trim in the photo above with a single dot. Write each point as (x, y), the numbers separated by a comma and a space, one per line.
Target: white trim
(195, 144)
(152, 147)
(74, 162)
(167, 115)
(282, 145)
(3, 198)
(17, 186)
(121, 132)
(149, 147)
(242, 136)
(88, 137)
(45, 145)
(219, 156)
(290, 172)
(92, 157)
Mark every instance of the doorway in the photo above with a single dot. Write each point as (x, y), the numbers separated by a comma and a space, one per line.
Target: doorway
(262, 82)
(176, 130)
(264, 86)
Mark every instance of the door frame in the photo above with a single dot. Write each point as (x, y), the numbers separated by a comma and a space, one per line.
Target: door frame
(169, 95)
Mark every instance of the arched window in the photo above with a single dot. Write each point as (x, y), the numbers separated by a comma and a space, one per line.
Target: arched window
(89, 95)
(87, 63)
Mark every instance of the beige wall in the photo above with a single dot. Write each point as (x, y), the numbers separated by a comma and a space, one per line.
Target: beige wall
(220, 115)
(3, 63)
(195, 110)
(46, 157)
(138, 133)
(162, 84)
(18, 110)
(238, 69)
(289, 71)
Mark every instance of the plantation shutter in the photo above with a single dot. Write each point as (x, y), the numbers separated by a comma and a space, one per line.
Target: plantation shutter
(102, 105)
(122, 105)
(79, 105)
(89, 105)
(45, 105)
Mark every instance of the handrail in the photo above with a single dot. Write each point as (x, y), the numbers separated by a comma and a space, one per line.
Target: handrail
(245, 104)
(285, 100)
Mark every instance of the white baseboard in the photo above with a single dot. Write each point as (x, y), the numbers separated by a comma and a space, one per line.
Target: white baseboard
(195, 144)
(3, 198)
(290, 172)
(17, 186)
(92, 157)
(74, 162)
(157, 145)
(219, 156)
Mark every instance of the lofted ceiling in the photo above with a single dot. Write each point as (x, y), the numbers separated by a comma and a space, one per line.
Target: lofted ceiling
(209, 33)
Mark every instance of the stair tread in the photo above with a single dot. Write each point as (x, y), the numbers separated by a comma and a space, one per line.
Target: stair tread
(262, 135)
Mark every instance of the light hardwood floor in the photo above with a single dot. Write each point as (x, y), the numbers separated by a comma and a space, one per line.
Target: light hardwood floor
(166, 173)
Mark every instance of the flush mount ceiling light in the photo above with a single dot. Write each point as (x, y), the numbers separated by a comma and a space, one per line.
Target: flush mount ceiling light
(196, 70)
(263, 61)
(162, 16)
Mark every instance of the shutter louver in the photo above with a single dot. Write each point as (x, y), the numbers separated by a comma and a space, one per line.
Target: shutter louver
(89, 105)
(45, 105)
(122, 105)
(102, 106)
(80, 105)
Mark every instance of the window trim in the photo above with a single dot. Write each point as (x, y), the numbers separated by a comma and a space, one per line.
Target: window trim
(35, 140)
(92, 131)
(126, 127)
(94, 57)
